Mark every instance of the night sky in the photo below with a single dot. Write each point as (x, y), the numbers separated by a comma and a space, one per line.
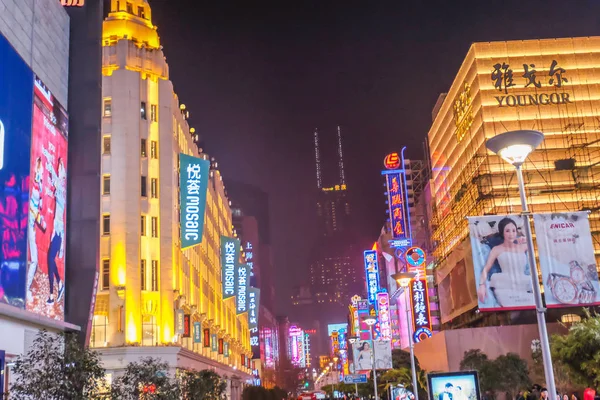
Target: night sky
(258, 77)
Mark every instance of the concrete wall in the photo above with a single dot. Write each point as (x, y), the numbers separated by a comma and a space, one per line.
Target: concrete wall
(39, 31)
(444, 351)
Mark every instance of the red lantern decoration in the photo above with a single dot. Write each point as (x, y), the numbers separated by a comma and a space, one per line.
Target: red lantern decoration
(391, 161)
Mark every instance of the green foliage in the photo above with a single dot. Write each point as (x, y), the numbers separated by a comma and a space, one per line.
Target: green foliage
(202, 385)
(508, 373)
(579, 351)
(147, 379)
(57, 368)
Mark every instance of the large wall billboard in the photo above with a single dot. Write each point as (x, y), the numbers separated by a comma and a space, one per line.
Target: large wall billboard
(230, 254)
(193, 183)
(16, 99)
(46, 221)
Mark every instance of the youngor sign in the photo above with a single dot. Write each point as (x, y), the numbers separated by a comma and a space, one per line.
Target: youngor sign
(567, 260)
(502, 272)
(193, 183)
(230, 253)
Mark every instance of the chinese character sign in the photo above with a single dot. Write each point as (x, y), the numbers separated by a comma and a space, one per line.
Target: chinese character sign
(179, 322)
(253, 308)
(383, 307)
(372, 274)
(242, 285)
(230, 252)
(213, 342)
(396, 205)
(197, 332)
(249, 257)
(567, 260)
(186, 326)
(193, 183)
(420, 304)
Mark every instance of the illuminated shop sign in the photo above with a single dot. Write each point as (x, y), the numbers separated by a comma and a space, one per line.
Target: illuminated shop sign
(213, 342)
(72, 3)
(397, 205)
(206, 337)
(420, 304)
(221, 346)
(504, 79)
(372, 274)
(415, 258)
(197, 332)
(193, 183)
(296, 346)
(253, 308)
(383, 307)
(463, 112)
(226, 349)
(307, 349)
(179, 322)
(230, 253)
(242, 285)
(249, 252)
(392, 161)
(269, 360)
(186, 326)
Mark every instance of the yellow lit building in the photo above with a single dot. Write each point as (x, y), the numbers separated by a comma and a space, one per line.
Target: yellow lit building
(550, 85)
(144, 275)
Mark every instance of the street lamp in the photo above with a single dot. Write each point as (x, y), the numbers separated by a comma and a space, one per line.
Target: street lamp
(352, 340)
(404, 279)
(514, 147)
(371, 321)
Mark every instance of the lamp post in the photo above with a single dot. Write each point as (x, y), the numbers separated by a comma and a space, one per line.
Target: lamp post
(353, 340)
(514, 147)
(371, 321)
(404, 279)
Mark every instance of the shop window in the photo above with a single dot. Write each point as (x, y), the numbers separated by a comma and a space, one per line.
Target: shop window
(99, 331)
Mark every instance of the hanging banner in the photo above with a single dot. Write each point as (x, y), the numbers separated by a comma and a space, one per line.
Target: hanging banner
(179, 322)
(194, 173)
(197, 332)
(420, 304)
(383, 354)
(186, 325)
(221, 346)
(213, 342)
(567, 260)
(230, 254)
(372, 274)
(363, 353)
(253, 308)
(242, 285)
(383, 305)
(206, 337)
(226, 349)
(500, 262)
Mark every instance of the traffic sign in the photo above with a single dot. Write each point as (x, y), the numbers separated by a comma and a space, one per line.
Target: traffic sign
(355, 378)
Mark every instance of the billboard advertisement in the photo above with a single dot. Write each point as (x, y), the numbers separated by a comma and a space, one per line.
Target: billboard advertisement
(242, 285)
(463, 385)
(401, 393)
(230, 254)
(456, 282)
(46, 221)
(194, 173)
(383, 354)
(420, 304)
(499, 252)
(362, 351)
(336, 328)
(372, 274)
(383, 315)
(16, 86)
(567, 260)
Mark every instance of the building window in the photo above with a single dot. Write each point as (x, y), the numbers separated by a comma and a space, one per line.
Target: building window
(144, 189)
(149, 330)
(129, 8)
(106, 184)
(105, 274)
(141, 12)
(143, 221)
(153, 113)
(154, 149)
(143, 274)
(154, 227)
(143, 148)
(106, 145)
(99, 327)
(154, 276)
(143, 110)
(106, 224)
(154, 188)
(107, 107)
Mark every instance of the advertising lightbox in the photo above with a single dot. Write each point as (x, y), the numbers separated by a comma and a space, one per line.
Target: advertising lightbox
(230, 253)
(453, 385)
(194, 173)
(372, 274)
(242, 285)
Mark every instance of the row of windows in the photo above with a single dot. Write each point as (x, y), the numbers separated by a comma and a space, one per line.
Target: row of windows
(141, 12)
(106, 147)
(107, 110)
(144, 186)
(153, 225)
(144, 278)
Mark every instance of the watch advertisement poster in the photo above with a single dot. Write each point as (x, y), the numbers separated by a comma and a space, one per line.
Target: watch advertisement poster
(502, 273)
(567, 262)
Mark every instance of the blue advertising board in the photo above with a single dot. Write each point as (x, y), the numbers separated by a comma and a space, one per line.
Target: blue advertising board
(16, 116)
(372, 275)
(230, 254)
(194, 173)
(355, 378)
(242, 285)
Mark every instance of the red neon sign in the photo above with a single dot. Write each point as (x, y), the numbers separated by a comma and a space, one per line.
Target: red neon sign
(72, 3)
(391, 161)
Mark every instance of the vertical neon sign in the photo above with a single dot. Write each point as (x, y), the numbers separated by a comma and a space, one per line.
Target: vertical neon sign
(383, 305)
(397, 199)
(372, 273)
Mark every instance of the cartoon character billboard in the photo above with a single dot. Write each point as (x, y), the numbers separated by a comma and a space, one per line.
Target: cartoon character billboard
(46, 222)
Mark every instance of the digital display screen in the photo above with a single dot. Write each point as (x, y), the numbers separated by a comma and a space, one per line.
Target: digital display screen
(462, 385)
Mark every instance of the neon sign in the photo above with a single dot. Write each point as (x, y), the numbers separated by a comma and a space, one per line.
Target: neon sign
(420, 304)
(396, 205)
(383, 305)
(230, 249)
(253, 307)
(372, 272)
(249, 252)
(391, 161)
(242, 285)
(193, 184)
(72, 3)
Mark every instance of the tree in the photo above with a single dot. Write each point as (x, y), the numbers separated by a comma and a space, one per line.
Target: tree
(476, 360)
(57, 367)
(515, 373)
(579, 350)
(146, 380)
(401, 360)
(202, 385)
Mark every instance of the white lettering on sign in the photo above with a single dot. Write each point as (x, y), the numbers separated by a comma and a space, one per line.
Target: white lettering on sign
(229, 268)
(192, 206)
(241, 295)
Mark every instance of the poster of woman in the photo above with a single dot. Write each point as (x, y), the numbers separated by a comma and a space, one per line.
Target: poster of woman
(363, 355)
(567, 261)
(502, 274)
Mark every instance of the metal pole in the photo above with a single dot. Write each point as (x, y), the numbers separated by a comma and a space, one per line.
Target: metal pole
(374, 369)
(411, 345)
(356, 389)
(540, 310)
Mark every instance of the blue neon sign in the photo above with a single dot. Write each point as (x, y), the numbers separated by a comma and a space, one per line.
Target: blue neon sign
(372, 274)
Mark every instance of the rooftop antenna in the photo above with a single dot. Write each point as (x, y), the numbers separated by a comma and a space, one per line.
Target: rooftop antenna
(341, 155)
(318, 160)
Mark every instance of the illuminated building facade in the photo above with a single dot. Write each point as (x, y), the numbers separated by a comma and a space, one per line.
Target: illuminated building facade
(147, 281)
(549, 85)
